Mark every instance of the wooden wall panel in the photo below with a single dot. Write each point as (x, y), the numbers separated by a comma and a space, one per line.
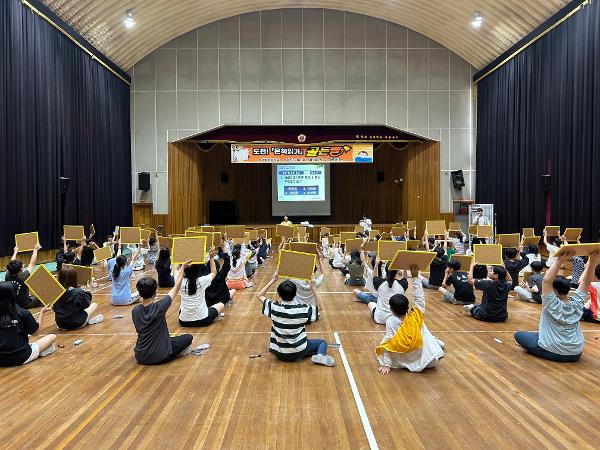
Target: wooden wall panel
(185, 184)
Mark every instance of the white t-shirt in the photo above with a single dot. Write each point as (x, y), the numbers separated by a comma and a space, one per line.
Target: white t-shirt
(384, 293)
(194, 307)
(366, 224)
(552, 249)
(338, 259)
(480, 220)
(304, 294)
(369, 273)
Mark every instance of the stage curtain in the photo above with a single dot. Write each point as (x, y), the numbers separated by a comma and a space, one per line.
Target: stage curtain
(61, 114)
(538, 114)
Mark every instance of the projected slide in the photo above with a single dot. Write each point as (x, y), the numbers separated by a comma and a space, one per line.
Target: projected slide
(301, 183)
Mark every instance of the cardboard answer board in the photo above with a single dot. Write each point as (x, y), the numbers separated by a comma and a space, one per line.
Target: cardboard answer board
(411, 224)
(528, 232)
(386, 250)
(73, 232)
(304, 247)
(145, 234)
(217, 239)
(26, 241)
(353, 244)
(103, 253)
(189, 248)
(296, 265)
(345, 235)
(336, 239)
(252, 235)
(488, 254)
(370, 246)
(435, 227)
(359, 229)
(44, 285)
(454, 226)
(404, 259)
(413, 244)
(485, 231)
(235, 231)
(398, 231)
(572, 234)
(374, 233)
(207, 228)
(473, 229)
(165, 241)
(262, 233)
(465, 261)
(580, 249)
(509, 240)
(552, 230)
(531, 240)
(131, 235)
(284, 230)
(84, 274)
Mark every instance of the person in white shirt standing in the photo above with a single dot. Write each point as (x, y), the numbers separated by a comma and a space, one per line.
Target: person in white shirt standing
(366, 223)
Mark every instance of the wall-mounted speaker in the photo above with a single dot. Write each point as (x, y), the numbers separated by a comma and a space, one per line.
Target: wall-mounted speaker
(144, 181)
(64, 185)
(458, 179)
(380, 177)
(547, 182)
(224, 177)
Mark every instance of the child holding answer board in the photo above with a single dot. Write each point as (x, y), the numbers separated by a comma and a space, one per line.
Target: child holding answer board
(370, 296)
(17, 276)
(236, 278)
(288, 334)
(119, 272)
(408, 343)
(164, 270)
(74, 308)
(304, 291)
(493, 307)
(463, 290)
(531, 290)
(154, 345)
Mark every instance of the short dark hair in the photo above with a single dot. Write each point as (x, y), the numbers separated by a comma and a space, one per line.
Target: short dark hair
(146, 287)
(561, 285)
(537, 266)
(480, 271)
(454, 264)
(440, 252)
(151, 241)
(286, 290)
(500, 271)
(510, 252)
(14, 267)
(534, 249)
(597, 271)
(69, 257)
(399, 304)
(67, 276)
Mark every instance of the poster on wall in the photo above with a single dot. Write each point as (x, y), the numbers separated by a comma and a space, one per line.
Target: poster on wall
(289, 153)
(481, 214)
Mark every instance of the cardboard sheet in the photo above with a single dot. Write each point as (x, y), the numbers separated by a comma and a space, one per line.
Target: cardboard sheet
(386, 250)
(404, 259)
(73, 232)
(304, 247)
(131, 235)
(296, 265)
(235, 231)
(26, 241)
(435, 227)
(189, 248)
(44, 285)
(284, 230)
(103, 253)
(488, 254)
(509, 240)
(84, 274)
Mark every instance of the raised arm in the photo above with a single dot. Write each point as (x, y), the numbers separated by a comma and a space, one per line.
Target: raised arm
(553, 271)
(134, 257)
(470, 278)
(65, 248)
(262, 294)
(15, 252)
(418, 294)
(175, 289)
(119, 247)
(33, 257)
(213, 264)
(313, 288)
(588, 272)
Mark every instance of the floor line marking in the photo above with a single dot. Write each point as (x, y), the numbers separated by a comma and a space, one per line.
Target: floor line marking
(364, 418)
(98, 410)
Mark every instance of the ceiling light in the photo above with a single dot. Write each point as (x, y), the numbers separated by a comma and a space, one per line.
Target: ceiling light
(129, 21)
(477, 20)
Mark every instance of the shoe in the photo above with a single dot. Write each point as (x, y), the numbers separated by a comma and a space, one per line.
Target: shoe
(96, 319)
(468, 308)
(186, 351)
(94, 284)
(48, 351)
(440, 342)
(250, 284)
(324, 360)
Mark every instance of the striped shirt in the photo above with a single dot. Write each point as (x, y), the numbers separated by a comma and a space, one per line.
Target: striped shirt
(288, 336)
(578, 268)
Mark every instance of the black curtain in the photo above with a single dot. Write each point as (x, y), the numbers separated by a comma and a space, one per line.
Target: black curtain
(61, 114)
(539, 114)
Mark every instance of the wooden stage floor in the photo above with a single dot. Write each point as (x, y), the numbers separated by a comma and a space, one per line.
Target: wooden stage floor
(486, 392)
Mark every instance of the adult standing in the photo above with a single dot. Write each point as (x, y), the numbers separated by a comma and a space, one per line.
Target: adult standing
(366, 223)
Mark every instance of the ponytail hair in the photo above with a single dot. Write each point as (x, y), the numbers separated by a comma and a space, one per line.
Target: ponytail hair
(119, 264)
(390, 276)
(235, 254)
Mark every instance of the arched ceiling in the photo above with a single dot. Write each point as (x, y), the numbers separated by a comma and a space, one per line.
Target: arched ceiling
(445, 21)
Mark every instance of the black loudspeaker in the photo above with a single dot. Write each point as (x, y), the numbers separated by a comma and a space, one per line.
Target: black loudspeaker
(144, 181)
(64, 185)
(547, 182)
(380, 177)
(222, 212)
(224, 177)
(457, 179)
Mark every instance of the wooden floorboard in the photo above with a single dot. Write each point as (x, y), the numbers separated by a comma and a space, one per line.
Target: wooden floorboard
(486, 392)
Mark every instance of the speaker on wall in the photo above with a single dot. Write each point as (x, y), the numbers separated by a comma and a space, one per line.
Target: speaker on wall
(224, 177)
(457, 179)
(144, 181)
(380, 177)
(64, 185)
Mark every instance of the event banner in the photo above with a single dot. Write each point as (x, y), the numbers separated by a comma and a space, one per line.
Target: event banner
(287, 153)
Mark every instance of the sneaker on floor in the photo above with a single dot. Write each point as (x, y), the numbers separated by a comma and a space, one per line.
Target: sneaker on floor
(468, 308)
(186, 351)
(49, 350)
(96, 319)
(440, 342)
(324, 360)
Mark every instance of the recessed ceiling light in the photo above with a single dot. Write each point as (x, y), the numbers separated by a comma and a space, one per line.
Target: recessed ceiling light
(477, 20)
(129, 21)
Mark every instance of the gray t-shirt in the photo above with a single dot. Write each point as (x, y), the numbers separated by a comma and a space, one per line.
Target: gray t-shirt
(536, 280)
(153, 343)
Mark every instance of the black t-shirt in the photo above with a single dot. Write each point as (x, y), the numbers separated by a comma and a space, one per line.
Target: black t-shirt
(493, 303)
(21, 289)
(514, 266)
(69, 309)
(14, 338)
(153, 343)
(164, 274)
(87, 256)
(463, 290)
(218, 291)
(437, 270)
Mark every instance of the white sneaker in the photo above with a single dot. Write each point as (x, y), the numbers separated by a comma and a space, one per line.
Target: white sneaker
(468, 308)
(440, 342)
(96, 319)
(324, 360)
(186, 351)
(48, 351)
(250, 284)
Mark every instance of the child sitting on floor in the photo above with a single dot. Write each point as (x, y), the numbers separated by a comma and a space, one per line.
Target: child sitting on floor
(74, 308)
(493, 307)
(17, 276)
(288, 335)
(531, 290)
(119, 272)
(408, 343)
(463, 290)
(591, 308)
(154, 344)
(304, 292)
(514, 262)
(370, 296)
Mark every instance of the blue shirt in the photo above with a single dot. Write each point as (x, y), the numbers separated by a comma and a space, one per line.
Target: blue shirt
(560, 331)
(121, 289)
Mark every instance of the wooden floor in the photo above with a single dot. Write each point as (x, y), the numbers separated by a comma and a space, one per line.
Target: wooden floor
(486, 392)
